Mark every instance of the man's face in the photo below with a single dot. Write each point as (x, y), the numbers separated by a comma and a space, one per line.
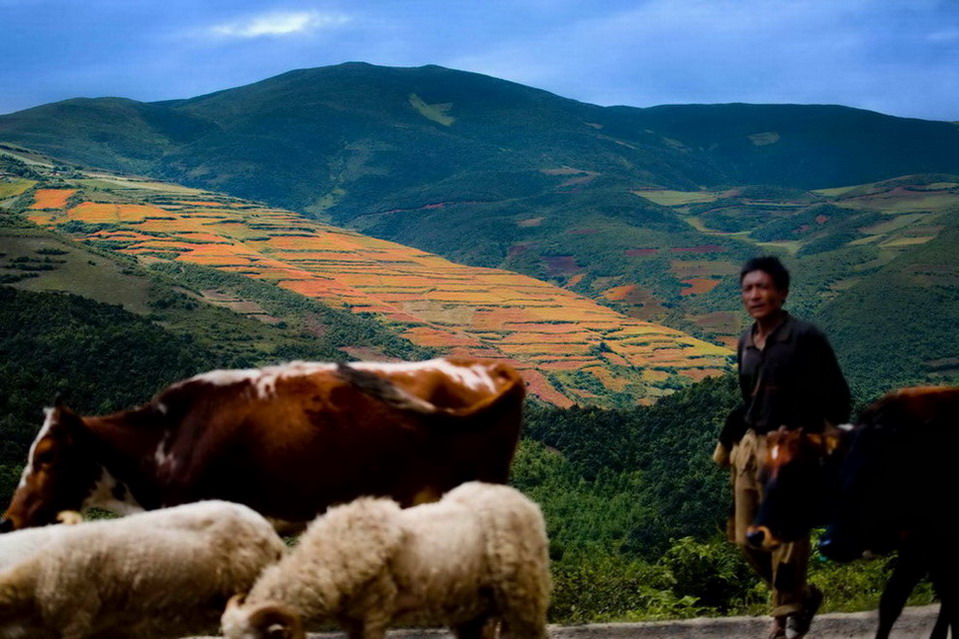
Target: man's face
(760, 296)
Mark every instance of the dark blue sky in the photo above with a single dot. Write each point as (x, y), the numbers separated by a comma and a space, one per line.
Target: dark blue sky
(899, 57)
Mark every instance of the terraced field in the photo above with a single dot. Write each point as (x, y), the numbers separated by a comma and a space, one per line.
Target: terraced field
(571, 349)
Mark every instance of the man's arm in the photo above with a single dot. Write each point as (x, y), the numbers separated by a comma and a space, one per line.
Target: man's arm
(834, 397)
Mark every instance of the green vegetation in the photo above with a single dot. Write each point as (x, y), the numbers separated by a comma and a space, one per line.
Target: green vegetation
(636, 512)
(100, 357)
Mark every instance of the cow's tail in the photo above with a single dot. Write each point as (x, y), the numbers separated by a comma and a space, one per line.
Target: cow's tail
(384, 390)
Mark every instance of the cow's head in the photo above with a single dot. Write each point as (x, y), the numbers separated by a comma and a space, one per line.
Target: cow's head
(58, 476)
(864, 519)
(896, 474)
(798, 475)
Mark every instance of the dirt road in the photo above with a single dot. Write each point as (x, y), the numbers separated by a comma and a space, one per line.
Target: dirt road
(915, 623)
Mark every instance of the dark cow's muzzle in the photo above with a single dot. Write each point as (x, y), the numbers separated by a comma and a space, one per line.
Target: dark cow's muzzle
(6, 525)
(761, 537)
(832, 548)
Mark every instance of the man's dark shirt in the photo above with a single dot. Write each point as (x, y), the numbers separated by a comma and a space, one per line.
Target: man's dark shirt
(795, 381)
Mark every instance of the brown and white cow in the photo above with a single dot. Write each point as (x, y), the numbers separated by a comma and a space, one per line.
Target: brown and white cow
(287, 440)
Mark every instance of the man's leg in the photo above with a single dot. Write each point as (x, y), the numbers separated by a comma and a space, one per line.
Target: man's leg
(793, 598)
(747, 492)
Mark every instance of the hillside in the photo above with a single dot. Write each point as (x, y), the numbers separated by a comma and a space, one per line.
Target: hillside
(571, 349)
(647, 211)
(619, 487)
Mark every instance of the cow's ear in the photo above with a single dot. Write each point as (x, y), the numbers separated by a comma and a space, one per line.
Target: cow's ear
(816, 439)
(833, 441)
(834, 436)
(66, 421)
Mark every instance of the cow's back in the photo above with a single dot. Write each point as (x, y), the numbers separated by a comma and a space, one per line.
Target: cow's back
(291, 441)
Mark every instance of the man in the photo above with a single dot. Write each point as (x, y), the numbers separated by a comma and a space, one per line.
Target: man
(788, 376)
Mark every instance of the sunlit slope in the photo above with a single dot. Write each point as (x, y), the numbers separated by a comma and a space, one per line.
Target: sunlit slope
(571, 349)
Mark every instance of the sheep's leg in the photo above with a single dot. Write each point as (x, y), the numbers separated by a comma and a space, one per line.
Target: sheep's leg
(78, 628)
(523, 627)
(482, 627)
(367, 629)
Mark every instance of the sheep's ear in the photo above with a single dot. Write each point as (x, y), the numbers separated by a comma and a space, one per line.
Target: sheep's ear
(278, 631)
(235, 601)
(277, 622)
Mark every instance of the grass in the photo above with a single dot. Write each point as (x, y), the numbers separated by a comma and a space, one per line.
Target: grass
(904, 203)
(436, 112)
(667, 197)
(82, 272)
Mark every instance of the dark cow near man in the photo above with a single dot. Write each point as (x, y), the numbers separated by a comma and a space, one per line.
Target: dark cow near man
(897, 491)
(288, 440)
(889, 484)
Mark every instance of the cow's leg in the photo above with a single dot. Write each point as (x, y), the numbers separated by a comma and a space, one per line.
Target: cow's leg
(946, 582)
(910, 568)
(941, 629)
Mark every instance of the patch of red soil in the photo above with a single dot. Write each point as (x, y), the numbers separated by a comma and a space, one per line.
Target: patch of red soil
(538, 385)
(517, 249)
(561, 264)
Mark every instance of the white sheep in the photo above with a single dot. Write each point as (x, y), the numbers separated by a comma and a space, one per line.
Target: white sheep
(16, 547)
(477, 557)
(164, 573)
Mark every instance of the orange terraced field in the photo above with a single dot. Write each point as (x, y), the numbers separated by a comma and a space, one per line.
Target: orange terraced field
(51, 198)
(698, 285)
(547, 332)
(93, 213)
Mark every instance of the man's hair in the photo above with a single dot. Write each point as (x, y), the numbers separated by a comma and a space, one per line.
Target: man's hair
(767, 264)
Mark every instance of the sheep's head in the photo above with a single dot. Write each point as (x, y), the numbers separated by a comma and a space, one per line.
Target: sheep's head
(265, 620)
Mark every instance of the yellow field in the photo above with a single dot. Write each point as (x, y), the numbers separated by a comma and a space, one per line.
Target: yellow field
(666, 197)
(14, 188)
(909, 241)
(903, 201)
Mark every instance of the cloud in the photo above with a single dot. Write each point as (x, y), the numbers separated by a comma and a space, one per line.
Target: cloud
(280, 24)
(946, 36)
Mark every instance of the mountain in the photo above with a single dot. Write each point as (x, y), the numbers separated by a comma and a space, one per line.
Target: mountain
(649, 212)
(363, 133)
